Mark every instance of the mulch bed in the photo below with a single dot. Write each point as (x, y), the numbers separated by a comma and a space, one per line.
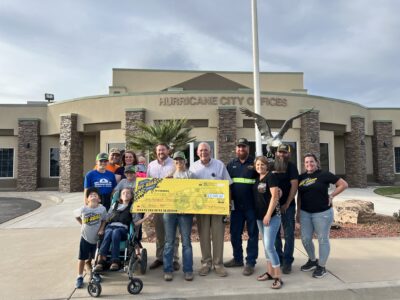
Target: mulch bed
(381, 226)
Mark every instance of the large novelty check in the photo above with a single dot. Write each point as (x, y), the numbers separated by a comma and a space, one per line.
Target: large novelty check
(189, 196)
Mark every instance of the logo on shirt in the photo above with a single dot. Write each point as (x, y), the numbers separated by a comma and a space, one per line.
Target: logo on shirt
(91, 219)
(307, 181)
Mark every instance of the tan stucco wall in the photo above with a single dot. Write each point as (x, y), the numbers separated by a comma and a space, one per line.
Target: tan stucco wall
(138, 81)
(11, 113)
(339, 154)
(91, 146)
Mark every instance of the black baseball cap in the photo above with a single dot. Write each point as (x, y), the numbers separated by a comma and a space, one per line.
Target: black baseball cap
(242, 142)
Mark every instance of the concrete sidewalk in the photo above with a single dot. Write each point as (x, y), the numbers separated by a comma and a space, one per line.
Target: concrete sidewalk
(39, 262)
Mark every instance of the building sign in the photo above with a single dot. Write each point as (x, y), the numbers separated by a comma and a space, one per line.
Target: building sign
(224, 100)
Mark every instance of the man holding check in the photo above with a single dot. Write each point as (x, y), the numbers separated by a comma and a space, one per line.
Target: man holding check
(210, 227)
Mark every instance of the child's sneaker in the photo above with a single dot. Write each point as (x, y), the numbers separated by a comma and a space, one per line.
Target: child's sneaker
(79, 282)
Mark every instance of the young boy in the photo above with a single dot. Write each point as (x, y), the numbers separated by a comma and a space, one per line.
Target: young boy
(129, 181)
(92, 217)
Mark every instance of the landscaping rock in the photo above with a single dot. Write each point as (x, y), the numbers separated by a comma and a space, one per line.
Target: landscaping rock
(353, 211)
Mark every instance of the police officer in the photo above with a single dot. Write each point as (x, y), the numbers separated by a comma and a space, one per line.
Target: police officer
(241, 170)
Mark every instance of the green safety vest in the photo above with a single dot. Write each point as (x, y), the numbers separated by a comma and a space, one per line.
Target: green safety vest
(243, 180)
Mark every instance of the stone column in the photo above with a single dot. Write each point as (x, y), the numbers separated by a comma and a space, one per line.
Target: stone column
(226, 133)
(309, 135)
(132, 117)
(355, 153)
(28, 154)
(382, 152)
(71, 155)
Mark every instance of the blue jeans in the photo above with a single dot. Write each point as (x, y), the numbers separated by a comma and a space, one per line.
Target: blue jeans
(113, 235)
(286, 253)
(171, 221)
(320, 223)
(268, 234)
(238, 219)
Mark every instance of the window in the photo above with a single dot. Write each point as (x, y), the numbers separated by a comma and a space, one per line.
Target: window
(397, 159)
(324, 156)
(6, 162)
(54, 162)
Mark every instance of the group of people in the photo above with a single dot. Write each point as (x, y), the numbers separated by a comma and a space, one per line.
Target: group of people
(262, 199)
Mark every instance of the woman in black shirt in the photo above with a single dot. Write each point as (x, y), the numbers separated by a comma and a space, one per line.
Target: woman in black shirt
(315, 212)
(268, 215)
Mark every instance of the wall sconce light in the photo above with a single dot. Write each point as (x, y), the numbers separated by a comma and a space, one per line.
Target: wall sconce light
(64, 143)
(227, 138)
(362, 143)
(28, 145)
(385, 145)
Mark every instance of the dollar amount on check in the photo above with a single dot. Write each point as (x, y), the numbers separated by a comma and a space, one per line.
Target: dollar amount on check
(181, 196)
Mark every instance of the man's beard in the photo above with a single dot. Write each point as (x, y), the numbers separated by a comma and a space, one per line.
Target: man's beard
(280, 164)
(242, 156)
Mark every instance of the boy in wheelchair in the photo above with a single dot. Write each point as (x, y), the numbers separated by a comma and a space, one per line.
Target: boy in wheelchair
(119, 220)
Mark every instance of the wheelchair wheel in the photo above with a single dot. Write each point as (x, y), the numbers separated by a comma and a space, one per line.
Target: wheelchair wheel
(94, 289)
(143, 261)
(135, 286)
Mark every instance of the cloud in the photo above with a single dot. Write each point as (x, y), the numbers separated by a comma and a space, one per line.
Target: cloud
(346, 49)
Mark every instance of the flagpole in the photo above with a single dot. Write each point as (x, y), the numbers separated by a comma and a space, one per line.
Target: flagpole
(256, 77)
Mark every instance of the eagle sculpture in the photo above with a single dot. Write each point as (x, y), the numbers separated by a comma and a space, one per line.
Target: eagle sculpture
(265, 130)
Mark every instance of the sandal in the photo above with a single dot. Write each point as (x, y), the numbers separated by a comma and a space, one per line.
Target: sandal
(265, 276)
(277, 284)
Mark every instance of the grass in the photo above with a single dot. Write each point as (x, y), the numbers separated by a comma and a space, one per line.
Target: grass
(387, 191)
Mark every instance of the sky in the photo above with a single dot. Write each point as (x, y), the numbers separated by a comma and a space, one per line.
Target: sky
(347, 49)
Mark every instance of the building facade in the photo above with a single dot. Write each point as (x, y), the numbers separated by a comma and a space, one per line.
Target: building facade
(52, 145)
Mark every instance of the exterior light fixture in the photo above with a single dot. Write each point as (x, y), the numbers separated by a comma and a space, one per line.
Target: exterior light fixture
(49, 97)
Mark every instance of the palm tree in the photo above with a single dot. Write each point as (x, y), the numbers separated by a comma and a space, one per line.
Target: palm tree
(174, 133)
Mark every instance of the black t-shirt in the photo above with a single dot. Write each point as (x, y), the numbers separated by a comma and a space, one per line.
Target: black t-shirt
(313, 190)
(262, 200)
(284, 182)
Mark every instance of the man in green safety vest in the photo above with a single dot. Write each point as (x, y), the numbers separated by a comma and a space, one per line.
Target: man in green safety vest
(243, 174)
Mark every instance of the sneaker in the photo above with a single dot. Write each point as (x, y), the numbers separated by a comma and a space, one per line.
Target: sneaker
(309, 266)
(114, 266)
(286, 269)
(319, 272)
(248, 270)
(79, 283)
(99, 267)
(233, 263)
(205, 269)
(168, 276)
(188, 276)
(176, 265)
(220, 271)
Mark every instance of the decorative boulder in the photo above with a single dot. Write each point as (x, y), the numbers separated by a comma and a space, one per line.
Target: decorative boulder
(353, 211)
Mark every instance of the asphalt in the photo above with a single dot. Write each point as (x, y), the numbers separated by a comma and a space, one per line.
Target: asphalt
(39, 250)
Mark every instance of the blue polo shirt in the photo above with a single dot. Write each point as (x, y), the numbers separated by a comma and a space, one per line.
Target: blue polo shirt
(243, 176)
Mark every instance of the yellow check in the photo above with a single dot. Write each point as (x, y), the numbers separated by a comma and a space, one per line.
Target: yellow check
(181, 196)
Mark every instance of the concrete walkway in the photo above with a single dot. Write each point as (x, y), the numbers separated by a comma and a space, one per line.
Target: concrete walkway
(39, 252)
